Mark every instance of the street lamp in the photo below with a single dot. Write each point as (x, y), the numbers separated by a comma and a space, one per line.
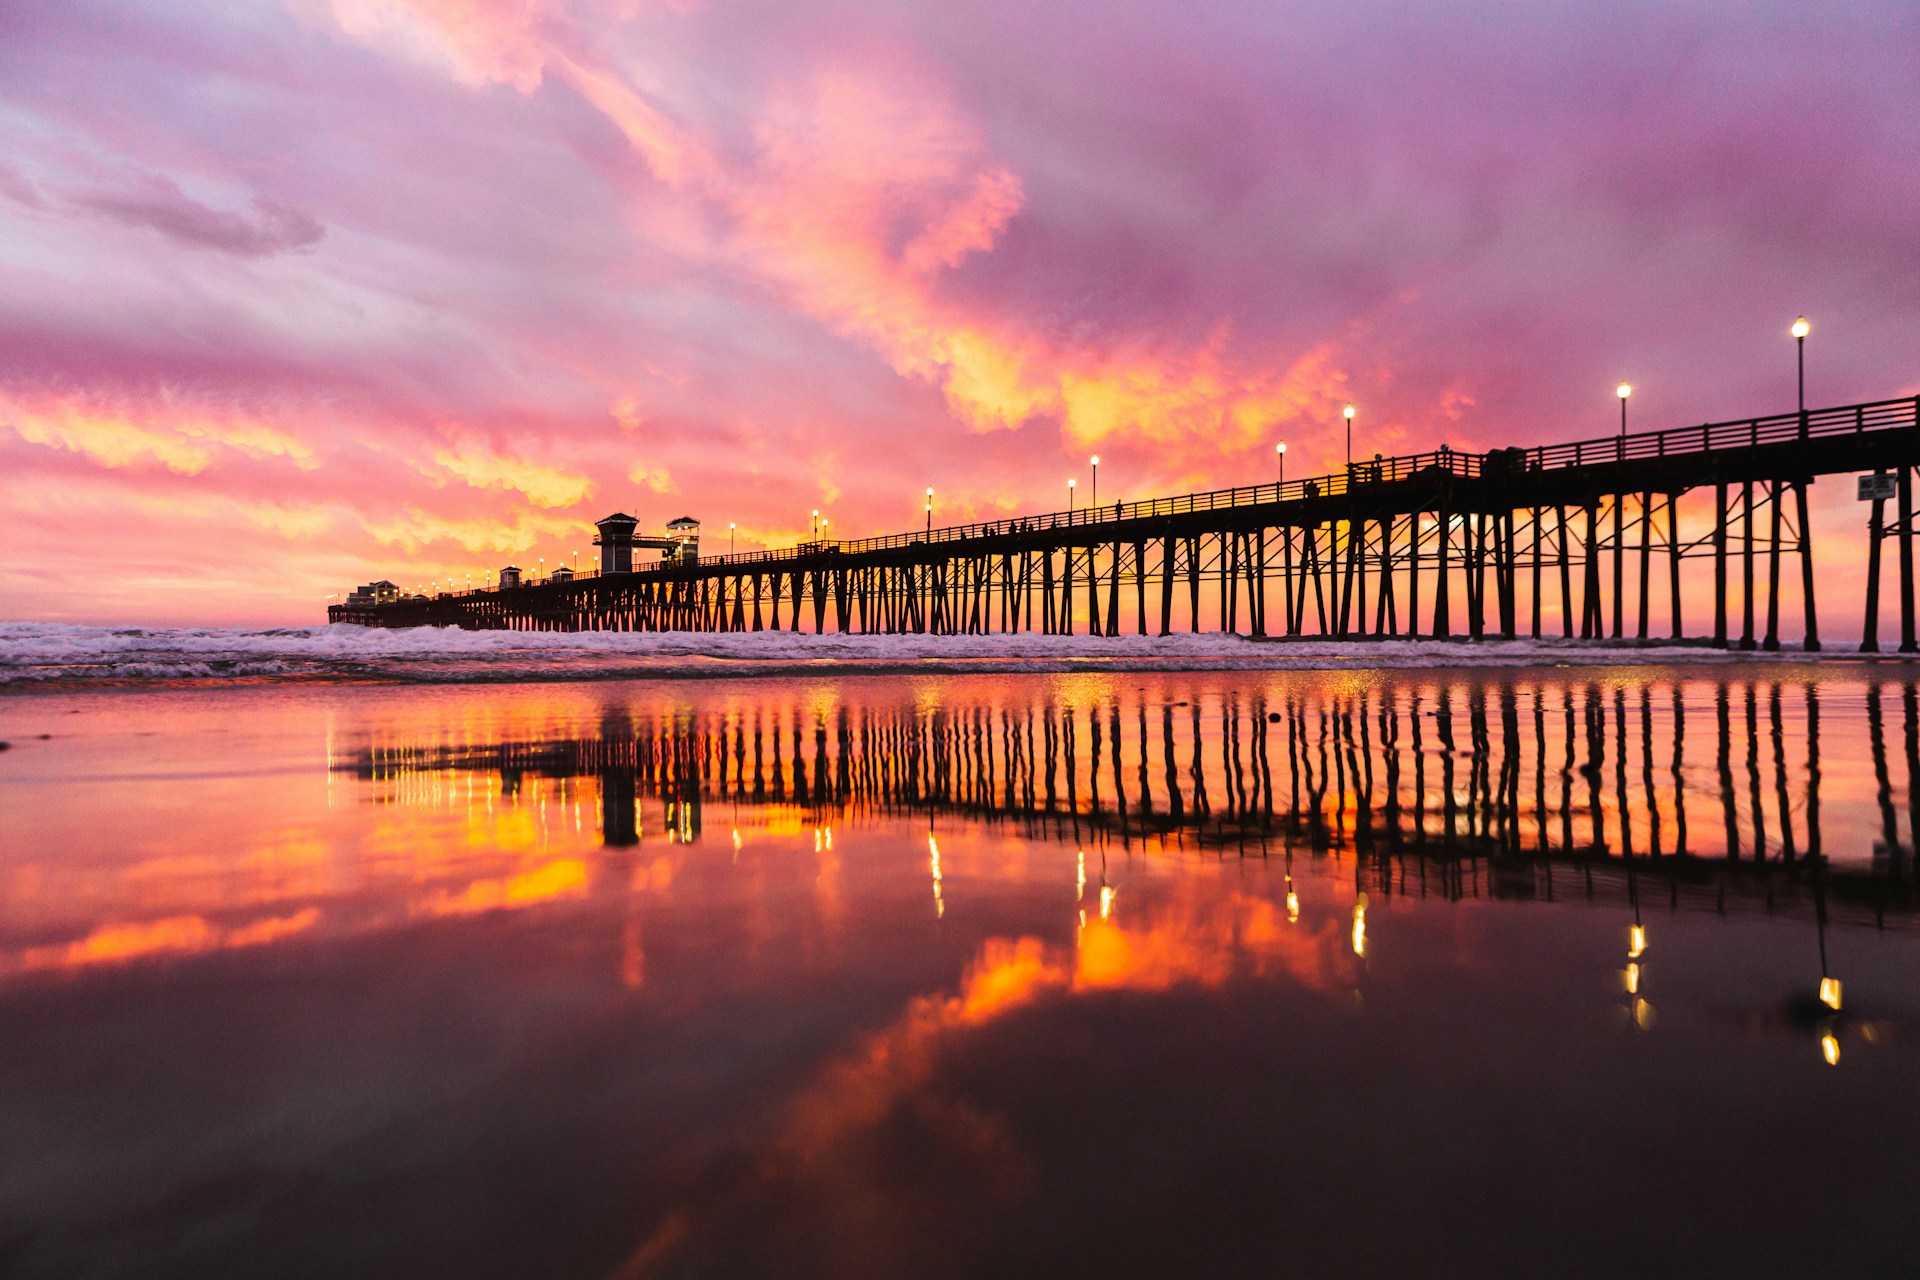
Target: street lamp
(816, 523)
(1800, 331)
(1095, 504)
(731, 526)
(1624, 390)
(1349, 412)
(1070, 483)
(1280, 457)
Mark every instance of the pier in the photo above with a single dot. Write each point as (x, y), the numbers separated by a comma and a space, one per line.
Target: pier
(1582, 540)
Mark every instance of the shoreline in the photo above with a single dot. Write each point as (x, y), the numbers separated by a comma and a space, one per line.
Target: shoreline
(722, 670)
(41, 658)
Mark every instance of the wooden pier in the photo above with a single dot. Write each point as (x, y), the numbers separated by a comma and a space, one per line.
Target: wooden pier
(1557, 539)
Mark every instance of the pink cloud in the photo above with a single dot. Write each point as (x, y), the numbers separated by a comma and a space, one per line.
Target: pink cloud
(398, 289)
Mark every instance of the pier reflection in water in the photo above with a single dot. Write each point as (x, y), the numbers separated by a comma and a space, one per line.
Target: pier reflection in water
(1711, 790)
(1120, 973)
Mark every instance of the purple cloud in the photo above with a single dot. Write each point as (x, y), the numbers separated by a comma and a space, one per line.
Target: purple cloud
(158, 204)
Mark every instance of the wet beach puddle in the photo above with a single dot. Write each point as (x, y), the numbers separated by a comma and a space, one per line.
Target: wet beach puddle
(1537, 972)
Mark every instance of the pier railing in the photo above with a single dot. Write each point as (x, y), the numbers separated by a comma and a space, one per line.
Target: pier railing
(1358, 477)
(1881, 415)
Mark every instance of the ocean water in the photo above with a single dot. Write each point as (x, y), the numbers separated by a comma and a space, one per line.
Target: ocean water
(353, 970)
(62, 655)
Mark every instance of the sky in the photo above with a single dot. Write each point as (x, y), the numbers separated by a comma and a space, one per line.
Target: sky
(295, 294)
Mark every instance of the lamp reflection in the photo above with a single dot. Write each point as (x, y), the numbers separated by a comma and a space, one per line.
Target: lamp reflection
(933, 852)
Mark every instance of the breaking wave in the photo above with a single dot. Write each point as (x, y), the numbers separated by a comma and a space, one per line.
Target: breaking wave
(47, 655)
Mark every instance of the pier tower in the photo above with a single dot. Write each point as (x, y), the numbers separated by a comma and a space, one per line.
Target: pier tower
(684, 533)
(616, 542)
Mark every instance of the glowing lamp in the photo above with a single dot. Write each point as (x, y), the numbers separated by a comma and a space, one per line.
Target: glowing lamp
(1623, 390)
(1349, 412)
(1801, 328)
(1280, 448)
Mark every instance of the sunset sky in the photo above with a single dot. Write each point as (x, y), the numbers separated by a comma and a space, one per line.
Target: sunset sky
(299, 293)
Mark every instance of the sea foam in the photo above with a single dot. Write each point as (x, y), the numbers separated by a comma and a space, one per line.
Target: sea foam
(34, 654)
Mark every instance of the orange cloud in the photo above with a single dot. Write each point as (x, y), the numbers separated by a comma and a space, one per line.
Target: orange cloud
(867, 188)
(481, 467)
(417, 528)
(181, 440)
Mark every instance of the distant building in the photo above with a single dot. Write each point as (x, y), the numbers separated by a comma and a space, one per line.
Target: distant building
(562, 574)
(510, 577)
(381, 592)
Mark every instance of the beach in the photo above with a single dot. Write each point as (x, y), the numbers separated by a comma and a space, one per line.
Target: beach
(1122, 966)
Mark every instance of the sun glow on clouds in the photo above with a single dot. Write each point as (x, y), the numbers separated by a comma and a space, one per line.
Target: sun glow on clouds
(181, 440)
(479, 271)
(867, 188)
(481, 467)
(476, 41)
(417, 528)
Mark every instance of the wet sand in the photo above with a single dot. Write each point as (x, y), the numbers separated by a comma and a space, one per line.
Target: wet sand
(1443, 972)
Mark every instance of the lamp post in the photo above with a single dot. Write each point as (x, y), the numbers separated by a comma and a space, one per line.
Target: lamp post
(929, 513)
(1800, 331)
(1280, 458)
(1095, 504)
(1624, 390)
(1070, 484)
(816, 524)
(1349, 413)
(731, 526)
